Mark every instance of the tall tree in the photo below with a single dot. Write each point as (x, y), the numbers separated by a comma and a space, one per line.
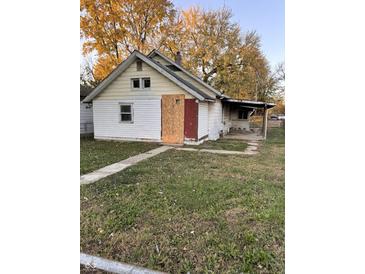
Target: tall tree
(115, 28)
(214, 49)
(212, 46)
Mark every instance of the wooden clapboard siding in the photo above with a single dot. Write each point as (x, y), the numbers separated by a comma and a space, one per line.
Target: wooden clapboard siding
(215, 119)
(173, 119)
(191, 119)
(146, 119)
(121, 87)
(203, 120)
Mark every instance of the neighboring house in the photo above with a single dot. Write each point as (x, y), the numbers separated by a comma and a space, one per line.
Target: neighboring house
(154, 98)
(86, 112)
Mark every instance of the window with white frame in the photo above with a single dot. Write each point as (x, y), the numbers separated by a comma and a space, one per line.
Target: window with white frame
(135, 83)
(126, 112)
(141, 83)
(146, 82)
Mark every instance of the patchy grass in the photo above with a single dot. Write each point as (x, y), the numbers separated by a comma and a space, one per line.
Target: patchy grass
(97, 154)
(221, 144)
(186, 211)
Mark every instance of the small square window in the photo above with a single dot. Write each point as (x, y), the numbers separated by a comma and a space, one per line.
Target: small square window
(146, 82)
(139, 65)
(135, 83)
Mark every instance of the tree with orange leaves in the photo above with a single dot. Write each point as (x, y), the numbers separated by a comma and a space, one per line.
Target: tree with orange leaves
(115, 28)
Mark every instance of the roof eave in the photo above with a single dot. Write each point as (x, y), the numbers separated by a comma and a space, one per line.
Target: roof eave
(258, 104)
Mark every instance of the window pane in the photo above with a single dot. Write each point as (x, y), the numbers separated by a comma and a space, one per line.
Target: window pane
(135, 83)
(125, 108)
(146, 82)
(126, 117)
(242, 114)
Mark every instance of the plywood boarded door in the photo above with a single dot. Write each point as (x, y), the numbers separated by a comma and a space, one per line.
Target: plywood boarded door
(172, 112)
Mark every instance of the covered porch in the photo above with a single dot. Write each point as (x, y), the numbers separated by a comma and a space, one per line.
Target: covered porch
(236, 119)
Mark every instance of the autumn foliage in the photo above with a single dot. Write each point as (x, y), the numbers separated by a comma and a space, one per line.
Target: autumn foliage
(212, 46)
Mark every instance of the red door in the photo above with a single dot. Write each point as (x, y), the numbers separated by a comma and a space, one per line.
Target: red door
(191, 119)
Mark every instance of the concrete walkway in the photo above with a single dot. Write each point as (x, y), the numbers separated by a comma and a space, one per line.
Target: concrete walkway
(250, 150)
(112, 266)
(217, 151)
(245, 136)
(114, 168)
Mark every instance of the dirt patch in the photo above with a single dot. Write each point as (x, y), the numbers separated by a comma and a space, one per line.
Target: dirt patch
(234, 215)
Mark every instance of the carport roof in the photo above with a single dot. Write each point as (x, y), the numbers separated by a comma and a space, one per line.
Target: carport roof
(248, 103)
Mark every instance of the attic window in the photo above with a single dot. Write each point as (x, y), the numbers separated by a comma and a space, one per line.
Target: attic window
(146, 82)
(135, 82)
(139, 65)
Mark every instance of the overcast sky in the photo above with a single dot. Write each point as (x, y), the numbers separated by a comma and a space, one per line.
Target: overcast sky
(264, 16)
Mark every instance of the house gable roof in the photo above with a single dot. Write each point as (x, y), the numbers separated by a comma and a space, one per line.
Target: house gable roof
(188, 87)
(156, 52)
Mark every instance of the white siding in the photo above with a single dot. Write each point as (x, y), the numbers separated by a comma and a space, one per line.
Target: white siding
(215, 119)
(241, 124)
(227, 123)
(146, 119)
(202, 120)
(146, 106)
(238, 124)
(121, 87)
(86, 119)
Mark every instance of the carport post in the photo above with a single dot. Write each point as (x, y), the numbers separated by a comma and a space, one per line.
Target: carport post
(264, 123)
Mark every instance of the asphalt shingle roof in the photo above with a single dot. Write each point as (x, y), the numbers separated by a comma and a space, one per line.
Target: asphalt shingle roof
(187, 83)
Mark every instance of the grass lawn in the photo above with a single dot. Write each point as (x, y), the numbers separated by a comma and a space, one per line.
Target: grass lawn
(186, 211)
(224, 144)
(97, 154)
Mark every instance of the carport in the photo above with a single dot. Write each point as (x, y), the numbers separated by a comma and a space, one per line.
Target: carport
(243, 109)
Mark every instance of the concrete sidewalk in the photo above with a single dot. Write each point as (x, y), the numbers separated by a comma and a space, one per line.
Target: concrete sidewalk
(114, 168)
(217, 151)
(94, 262)
(250, 150)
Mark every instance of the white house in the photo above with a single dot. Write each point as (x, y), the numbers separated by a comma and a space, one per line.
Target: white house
(153, 98)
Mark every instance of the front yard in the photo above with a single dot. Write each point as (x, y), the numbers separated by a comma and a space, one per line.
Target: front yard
(187, 211)
(97, 154)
